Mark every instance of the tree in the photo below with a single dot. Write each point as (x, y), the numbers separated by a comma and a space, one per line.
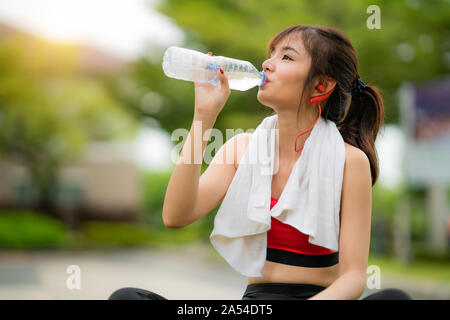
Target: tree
(48, 111)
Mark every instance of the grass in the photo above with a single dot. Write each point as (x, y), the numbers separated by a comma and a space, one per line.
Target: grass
(31, 230)
(28, 230)
(101, 234)
(426, 269)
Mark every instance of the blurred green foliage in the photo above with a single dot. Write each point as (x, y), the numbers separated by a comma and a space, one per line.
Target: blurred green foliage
(107, 233)
(26, 230)
(425, 268)
(154, 185)
(412, 44)
(33, 230)
(113, 234)
(49, 109)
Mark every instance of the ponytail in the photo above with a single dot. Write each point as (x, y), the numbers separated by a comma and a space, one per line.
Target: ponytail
(361, 124)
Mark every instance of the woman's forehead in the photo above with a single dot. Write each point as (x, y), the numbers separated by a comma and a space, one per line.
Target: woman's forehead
(293, 40)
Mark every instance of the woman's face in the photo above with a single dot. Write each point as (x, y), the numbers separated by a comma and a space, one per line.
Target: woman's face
(286, 71)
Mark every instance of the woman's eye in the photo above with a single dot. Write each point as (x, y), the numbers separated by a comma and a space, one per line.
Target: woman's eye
(287, 56)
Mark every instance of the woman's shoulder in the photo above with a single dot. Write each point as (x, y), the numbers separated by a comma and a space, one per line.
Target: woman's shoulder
(349, 148)
(357, 163)
(354, 153)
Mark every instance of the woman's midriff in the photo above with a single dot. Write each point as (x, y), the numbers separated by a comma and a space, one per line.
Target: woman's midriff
(282, 273)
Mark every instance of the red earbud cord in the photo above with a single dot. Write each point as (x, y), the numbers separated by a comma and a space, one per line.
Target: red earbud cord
(313, 100)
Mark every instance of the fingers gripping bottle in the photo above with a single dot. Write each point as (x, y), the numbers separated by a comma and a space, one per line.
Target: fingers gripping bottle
(191, 65)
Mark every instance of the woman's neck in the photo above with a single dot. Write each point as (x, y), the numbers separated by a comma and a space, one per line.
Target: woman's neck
(289, 128)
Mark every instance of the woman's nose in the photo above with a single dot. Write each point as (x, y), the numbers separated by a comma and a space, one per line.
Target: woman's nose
(267, 66)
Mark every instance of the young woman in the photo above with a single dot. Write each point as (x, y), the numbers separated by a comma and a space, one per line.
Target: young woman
(303, 62)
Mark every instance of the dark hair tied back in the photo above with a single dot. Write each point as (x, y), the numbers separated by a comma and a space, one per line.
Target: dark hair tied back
(358, 86)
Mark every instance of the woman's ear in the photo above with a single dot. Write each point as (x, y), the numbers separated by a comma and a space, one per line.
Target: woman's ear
(323, 86)
(322, 90)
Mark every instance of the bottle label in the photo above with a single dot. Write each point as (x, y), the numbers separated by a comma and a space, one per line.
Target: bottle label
(212, 66)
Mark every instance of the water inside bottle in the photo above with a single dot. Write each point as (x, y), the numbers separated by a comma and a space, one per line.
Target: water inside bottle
(243, 81)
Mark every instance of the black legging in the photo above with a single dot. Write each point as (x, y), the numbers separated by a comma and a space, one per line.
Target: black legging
(265, 291)
(134, 294)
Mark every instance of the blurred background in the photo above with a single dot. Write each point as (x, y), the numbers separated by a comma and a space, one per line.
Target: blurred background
(86, 117)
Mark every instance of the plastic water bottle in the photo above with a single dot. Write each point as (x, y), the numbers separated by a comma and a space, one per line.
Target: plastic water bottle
(191, 65)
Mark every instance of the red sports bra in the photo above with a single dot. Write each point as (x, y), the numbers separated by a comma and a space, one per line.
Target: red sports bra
(287, 245)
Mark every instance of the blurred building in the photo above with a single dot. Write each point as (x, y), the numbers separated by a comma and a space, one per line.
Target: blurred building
(425, 119)
(102, 185)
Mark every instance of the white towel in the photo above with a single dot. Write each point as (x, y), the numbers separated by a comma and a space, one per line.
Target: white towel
(310, 201)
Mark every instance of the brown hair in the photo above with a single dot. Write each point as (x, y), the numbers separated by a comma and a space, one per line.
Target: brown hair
(333, 55)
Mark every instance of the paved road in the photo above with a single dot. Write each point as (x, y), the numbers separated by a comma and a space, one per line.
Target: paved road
(193, 272)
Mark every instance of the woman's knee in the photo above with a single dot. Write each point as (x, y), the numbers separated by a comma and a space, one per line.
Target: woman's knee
(389, 294)
(124, 294)
(134, 294)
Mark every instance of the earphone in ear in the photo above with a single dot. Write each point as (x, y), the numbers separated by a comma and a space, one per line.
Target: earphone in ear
(314, 100)
(320, 87)
(318, 99)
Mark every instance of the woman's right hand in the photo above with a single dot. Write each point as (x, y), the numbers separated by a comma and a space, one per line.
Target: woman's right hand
(209, 99)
